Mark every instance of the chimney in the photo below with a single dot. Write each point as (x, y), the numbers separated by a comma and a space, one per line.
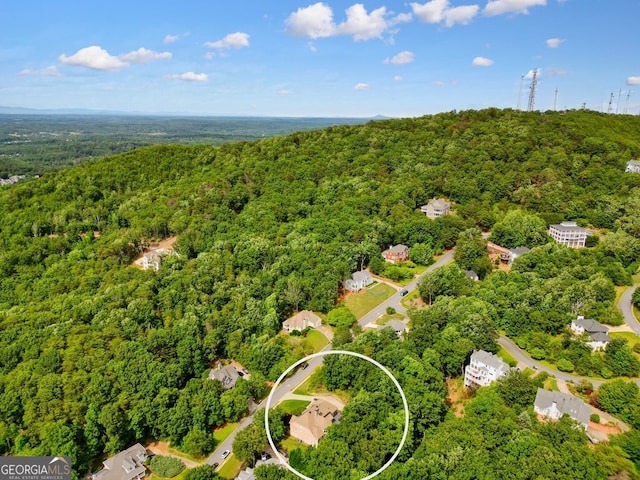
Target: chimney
(317, 410)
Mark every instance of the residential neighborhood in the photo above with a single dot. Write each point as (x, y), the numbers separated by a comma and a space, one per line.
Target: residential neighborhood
(302, 320)
(311, 425)
(126, 465)
(553, 405)
(484, 368)
(597, 333)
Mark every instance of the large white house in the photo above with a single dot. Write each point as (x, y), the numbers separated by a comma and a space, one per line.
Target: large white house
(633, 166)
(596, 331)
(126, 465)
(358, 281)
(436, 207)
(484, 369)
(302, 320)
(569, 234)
(553, 405)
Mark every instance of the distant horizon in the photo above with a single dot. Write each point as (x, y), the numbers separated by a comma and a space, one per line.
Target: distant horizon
(314, 59)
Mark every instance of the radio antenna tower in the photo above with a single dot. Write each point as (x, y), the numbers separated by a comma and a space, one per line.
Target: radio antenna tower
(610, 109)
(626, 106)
(618, 104)
(520, 91)
(532, 90)
(555, 99)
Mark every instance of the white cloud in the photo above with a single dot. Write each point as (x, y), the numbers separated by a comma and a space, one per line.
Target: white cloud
(171, 38)
(530, 73)
(397, 78)
(282, 92)
(209, 55)
(439, 83)
(187, 77)
(143, 55)
(363, 25)
(93, 57)
(232, 40)
(51, 71)
(633, 80)
(312, 47)
(499, 7)
(482, 62)
(554, 42)
(361, 86)
(314, 21)
(437, 11)
(401, 58)
(555, 71)
(463, 14)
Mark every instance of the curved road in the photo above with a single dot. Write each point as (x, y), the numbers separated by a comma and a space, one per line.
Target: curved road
(626, 308)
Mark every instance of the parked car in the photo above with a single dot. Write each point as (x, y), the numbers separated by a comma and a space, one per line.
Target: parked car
(403, 292)
(304, 365)
(240, 374)
(264, 456)
(225, 454)
(215, 464)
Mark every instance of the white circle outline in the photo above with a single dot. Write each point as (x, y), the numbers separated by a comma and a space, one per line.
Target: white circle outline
(285, 462)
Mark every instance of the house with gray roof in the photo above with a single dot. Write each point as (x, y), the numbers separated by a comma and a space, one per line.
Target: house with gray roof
(553, 405)
(396, 253)
(358, 281)
(472, 275)
(398, 326)
(569, 234)
(228, 376)
(598, 333)
(633, 166)
(483, 369)
(126, 465)
(517, 252)
(436, 207)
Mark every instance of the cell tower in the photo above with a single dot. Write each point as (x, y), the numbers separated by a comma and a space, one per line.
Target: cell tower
(626, 106)
(555, 98)
(532, 90)
(610, 109)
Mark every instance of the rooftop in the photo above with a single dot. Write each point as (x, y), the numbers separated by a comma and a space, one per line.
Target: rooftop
(489, 359)
(568, 227)
(566, 404)
(590, 325)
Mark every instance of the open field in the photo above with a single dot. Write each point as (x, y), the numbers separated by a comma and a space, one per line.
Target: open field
(315, 341)
(365, 300)
(220, 434)
(230, 468)
(294, 407)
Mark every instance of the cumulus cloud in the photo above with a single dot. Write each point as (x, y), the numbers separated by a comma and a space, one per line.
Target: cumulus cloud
(440, 11)
(51, 71)
(633, 81)
(94, 57)
(282, 92)
(439, 83)
(188, 77)
(316, 21)
(401, 58)
(482, 62)
(555, 71)
(500, 7)
(554, 42)
(232, 40)
(171, 38)
(361, 86)
(143, 55)
(397, 78)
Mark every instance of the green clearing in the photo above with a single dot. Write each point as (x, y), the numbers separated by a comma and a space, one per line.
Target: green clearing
(366, 300)
(289, 444)
(305, 388)
(412, 295)
(551, 384)
(315, 341)
(230, 468)
(619, 292)
(294, 407)
(180, 476)
(386, 317)
(180, 453)
(507, 357)
(220, 434)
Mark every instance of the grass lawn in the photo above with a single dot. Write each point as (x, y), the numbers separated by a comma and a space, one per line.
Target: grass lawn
(366, 300)
(386, 317)
(289, 444)
(180, 453)
(180, 476)
(294, 407)
(619, 292)
(631, 337)
(303, 388)
(221, 433)
(506, 356)
(315, 340)
(406, 301)
(230, 468)
(551, 384)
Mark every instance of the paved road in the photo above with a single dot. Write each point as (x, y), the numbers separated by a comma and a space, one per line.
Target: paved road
(394, 300)
(285, 387)
(626, 308)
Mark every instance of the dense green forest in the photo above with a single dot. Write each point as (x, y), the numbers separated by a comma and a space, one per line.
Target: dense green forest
(34, 144)
(95, 354)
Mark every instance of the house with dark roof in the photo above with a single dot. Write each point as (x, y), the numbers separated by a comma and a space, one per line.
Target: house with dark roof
(483, 369)
(436, 207)
(228, 376)
(358, 281)
(311, 425)
(597, 332)
(126, 465)
(553, 405)
(569, 234)
(302, 320)
(396, 253)
(398, 326)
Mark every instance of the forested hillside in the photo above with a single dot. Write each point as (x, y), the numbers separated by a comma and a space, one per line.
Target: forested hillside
(95, 354)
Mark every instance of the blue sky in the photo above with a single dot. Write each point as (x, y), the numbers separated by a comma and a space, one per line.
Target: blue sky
(307, 58)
